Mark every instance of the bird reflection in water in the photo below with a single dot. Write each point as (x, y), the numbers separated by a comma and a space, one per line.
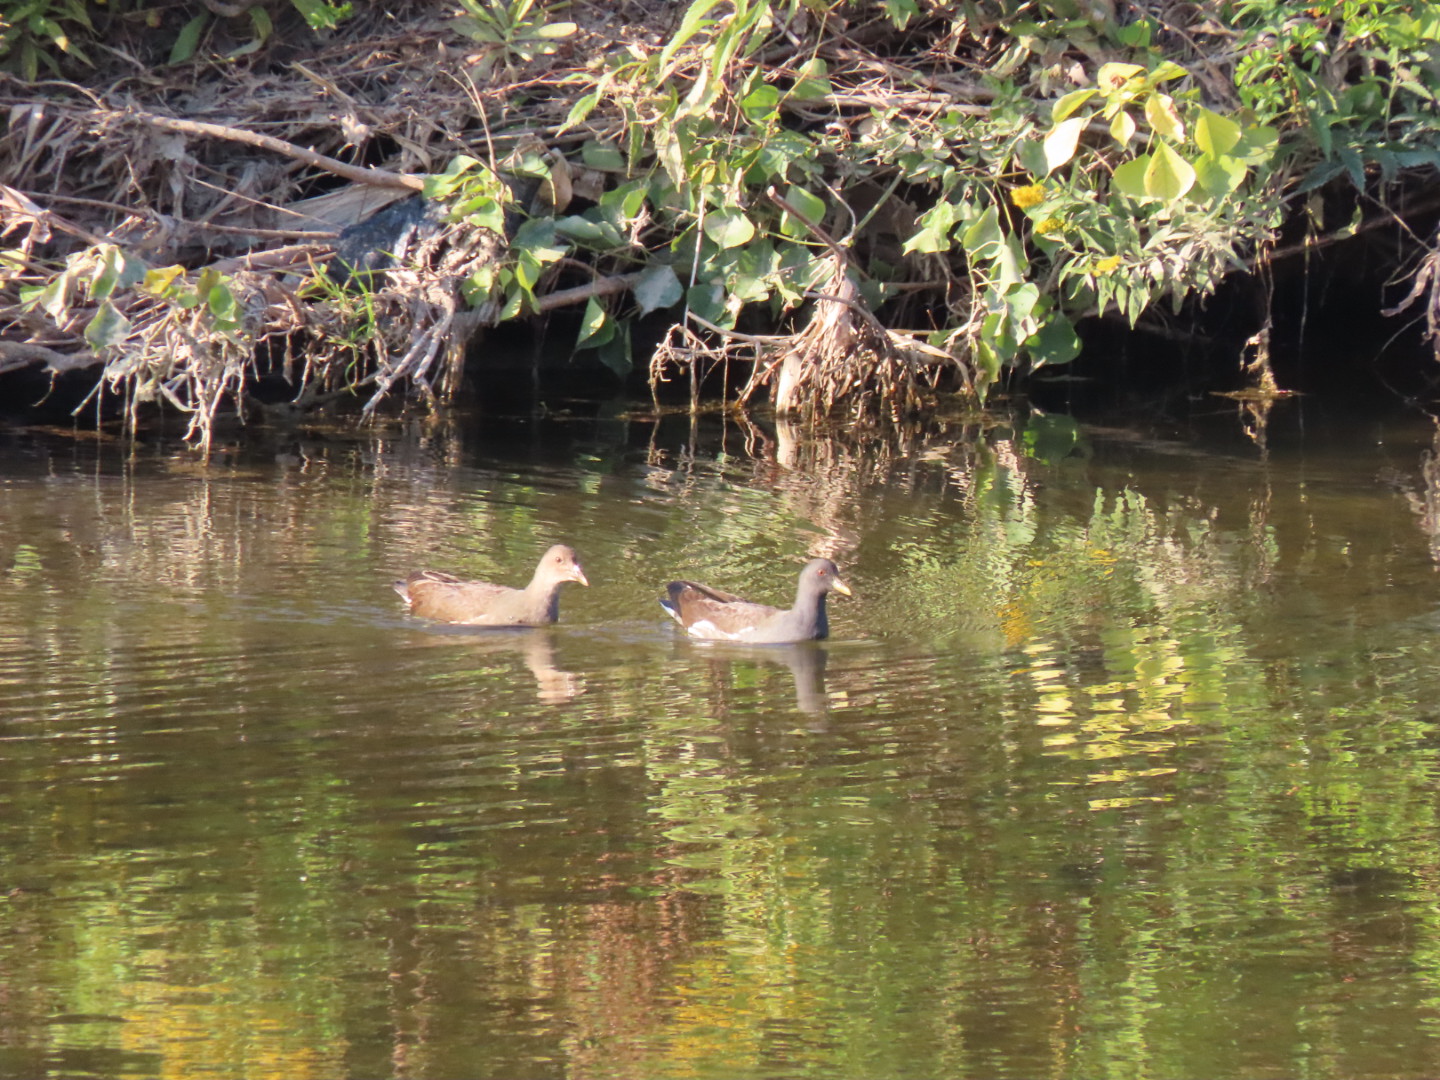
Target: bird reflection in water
(553, 685)
(536, 647)
(806, 661)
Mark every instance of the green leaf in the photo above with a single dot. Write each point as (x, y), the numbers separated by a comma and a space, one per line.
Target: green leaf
(1219, 174)
(581, 229)
(261, 23)
(707, 300)
(595, 328)
(537, 235)
(1054, 343)
(1215, 134)
(1010, 263)
(1031, 156)
(1165, 71)
(800, 270)
(515, 302)
(1020, 301)
(580, 111)
(781, 152)
(482, 33)
(253, 45)
(983, 235)
(626, 201)
(729, 228)
(1354, 164)
(693, 22)
(761, 103)
(483, 212)
(527, 270)
(749, 288)
(1066, 105)
(702, 95)
(224, 307)
(1135, 35)
(814, 81)
(108, 328)
(75, 9)
(935, 231)
(602, 155)
(1062, 140)
(1129, 178)
(1257, 144)
(30, 58)
(987, 366)
(67, 45)
(555, 30)
(478, 285)
(320, 14)
(1164, 117)
(160, 281)
(1122, 128)
(1114, 76)
(812, 206)
(460, 164)
(116, 271)
(900, 12)
(440, 186)
(613, 221)
(615, 353)
(52, 299)
(529, 164)
(657, 288)
(188, 40)
(1135, 305)
(927, 241)
(1169, 176)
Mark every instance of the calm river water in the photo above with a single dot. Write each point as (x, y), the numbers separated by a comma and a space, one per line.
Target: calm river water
(1124, 760)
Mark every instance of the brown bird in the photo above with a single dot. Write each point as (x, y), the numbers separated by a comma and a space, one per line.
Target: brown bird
(720, 616)
(433, 595)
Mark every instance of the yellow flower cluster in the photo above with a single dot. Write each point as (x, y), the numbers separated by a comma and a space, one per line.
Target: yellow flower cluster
(1027, 197)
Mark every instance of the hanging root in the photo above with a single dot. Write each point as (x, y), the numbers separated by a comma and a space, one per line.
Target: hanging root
(844, 358)
(1426, 285)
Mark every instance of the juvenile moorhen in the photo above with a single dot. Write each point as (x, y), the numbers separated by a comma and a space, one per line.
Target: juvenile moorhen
(433, 595)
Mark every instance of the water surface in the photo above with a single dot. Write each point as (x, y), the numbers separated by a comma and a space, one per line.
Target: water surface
(1122, 761)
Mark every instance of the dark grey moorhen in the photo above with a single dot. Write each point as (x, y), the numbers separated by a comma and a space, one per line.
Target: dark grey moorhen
(719, 616)
(433, 595)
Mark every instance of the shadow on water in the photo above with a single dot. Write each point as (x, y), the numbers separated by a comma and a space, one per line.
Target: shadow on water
(1121, 728)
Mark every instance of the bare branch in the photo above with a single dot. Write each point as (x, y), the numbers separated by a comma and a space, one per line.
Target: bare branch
(358, 173)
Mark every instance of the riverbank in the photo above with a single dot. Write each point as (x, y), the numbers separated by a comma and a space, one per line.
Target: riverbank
(857, 210)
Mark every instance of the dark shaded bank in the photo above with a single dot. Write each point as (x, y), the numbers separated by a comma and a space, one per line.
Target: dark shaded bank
(1329, 340)
(1328, 314)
